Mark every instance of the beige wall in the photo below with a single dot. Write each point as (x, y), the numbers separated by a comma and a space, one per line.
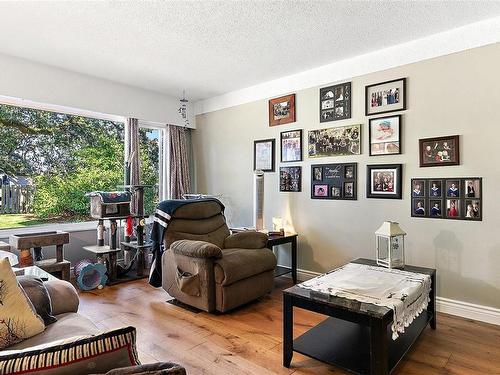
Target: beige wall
(454, 94)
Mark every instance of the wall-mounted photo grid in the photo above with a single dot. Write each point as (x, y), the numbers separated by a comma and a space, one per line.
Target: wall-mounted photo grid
(334, 181)
(447, 198)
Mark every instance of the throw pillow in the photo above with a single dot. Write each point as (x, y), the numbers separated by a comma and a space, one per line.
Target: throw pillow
(18, 318)
(39, 297)
(159, 368)
(80, 355)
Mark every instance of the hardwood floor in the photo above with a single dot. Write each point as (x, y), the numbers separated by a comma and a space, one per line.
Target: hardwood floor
(249, 340)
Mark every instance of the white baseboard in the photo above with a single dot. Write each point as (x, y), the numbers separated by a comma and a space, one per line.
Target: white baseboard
(445, 305)
(468, 310)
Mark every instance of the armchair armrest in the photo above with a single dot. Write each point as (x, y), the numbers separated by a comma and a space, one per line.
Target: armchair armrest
(63, 296)
(196, 249)
(246, 240)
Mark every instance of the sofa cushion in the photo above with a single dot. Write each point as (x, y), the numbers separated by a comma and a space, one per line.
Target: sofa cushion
(239, 264)
(77, 355)
(18, 318)
(67, 325)
(159, 368)
(246, 240)
(39, 297)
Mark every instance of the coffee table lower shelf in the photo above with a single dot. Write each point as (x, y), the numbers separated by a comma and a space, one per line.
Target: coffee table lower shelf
(347, 345)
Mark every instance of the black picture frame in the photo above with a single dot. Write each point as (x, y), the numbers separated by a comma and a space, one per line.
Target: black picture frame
(284, 138)
(391, 146)
(466, 204)
(379, 186)
(272, 155)
(430, 150)
(338, 181)
(335, 102)
(373, 89)
(335, 141)
(291, 179)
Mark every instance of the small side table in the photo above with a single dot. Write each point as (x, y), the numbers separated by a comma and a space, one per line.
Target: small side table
(291, 238)
(101, 253)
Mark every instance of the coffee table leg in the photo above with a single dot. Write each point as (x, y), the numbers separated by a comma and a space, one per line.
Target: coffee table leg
(432, 303)
(378, 347)
(294, 260)
(287, 330)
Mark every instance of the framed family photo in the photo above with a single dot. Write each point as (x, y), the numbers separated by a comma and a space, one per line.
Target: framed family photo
(385, 97)
(335, 102)
(342, 140)
(439, 151)
(334, 181)
(384, 181)
(385, 135)
(282, 110)
(263, 155)
(291, 146)
(290, 179)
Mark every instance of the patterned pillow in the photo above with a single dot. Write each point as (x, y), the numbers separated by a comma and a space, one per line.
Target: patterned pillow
(18, 318)
(77, 355)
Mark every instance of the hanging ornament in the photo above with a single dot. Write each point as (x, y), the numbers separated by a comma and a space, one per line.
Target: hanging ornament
(183, 109)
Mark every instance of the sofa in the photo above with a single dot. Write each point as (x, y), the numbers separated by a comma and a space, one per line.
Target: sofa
(207, 267)
(71, 328)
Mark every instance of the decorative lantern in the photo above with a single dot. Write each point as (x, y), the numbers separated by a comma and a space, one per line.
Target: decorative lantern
(390, 245)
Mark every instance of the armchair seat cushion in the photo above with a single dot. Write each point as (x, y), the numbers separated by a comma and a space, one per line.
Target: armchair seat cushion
(239, 264)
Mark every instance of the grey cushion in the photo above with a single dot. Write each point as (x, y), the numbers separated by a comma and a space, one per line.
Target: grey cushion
(63, 296)
(67, 325)
(239, 264)
(160, 368)
(39, 297)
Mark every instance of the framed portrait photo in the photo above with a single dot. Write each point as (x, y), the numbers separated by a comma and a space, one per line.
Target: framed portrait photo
(384, 181)
(291, 179)
(385, 135)
(385, 97)
(282, 110)
(335, 102)
(439, 151)
(291, 146)
(263, 155)
(320, 191)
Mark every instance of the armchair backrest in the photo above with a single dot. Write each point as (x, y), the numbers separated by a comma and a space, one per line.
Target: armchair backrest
(201, 221)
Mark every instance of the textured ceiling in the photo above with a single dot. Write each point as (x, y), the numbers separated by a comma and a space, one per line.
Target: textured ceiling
(212, 47)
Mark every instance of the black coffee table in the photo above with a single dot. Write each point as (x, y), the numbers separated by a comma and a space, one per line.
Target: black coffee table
(357, 336)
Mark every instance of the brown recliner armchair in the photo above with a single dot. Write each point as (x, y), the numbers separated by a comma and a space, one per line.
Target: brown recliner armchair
(207, 267)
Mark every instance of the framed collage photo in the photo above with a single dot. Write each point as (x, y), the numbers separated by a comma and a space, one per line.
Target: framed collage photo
(291, 146)
(282, 110)
(385, 97)
(291, 179)
(385, 135)
(440, 151)
(334, 181)
(447, 198)
(264, 155)
(338, 141)
(384, 181)
(335, 102)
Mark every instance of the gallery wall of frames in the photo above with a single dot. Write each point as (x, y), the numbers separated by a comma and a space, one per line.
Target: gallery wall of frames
(434, 198)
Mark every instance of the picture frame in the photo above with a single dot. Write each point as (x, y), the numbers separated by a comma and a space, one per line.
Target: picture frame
(419, 208)
(337, 141)
(291, 179)
(418, 188)
(455, 198)
(282, 110)
(291, 146)
(385, 97)
(384, 181)
(439, 151)
(264, 155)
(338, 180)
(335, 102)
(384, 135)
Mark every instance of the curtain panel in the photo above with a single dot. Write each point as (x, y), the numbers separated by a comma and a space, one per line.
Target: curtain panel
(134, 159)
(180, 179)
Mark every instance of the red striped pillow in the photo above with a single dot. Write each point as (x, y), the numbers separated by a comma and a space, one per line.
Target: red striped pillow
(81, 355)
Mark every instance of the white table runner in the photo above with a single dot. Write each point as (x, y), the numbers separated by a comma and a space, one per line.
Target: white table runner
(406, 293)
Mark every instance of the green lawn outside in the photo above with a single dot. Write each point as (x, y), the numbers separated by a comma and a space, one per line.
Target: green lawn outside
(8, 221)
